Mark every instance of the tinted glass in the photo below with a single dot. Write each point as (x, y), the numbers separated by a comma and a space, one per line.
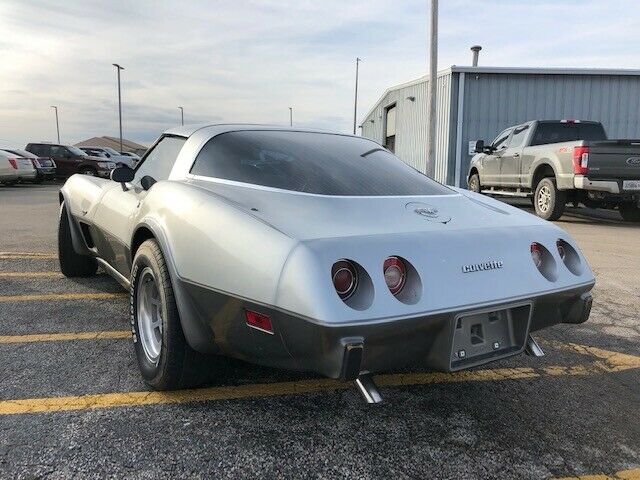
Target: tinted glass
(159, 162)
(75, 150)
(311, 162)
(519, 134)
(501, 139)
(58, 151)
(40, 150)
(567, 132)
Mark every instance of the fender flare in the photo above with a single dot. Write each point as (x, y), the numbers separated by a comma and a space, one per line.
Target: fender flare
(545, 162)
(197, 332)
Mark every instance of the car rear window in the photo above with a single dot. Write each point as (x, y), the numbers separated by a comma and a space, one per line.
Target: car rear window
(320, 163)
(567, 132)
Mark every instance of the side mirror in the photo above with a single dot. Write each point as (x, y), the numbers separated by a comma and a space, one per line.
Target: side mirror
(107, 155)
(479, 148)
(147, 182)
(122, 175)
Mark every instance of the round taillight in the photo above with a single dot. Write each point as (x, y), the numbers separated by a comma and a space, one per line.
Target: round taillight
(395, 274)
(561, 250)
(536, 254)
(345, 278)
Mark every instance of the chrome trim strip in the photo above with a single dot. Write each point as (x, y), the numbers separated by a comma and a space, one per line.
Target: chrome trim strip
(121, 279)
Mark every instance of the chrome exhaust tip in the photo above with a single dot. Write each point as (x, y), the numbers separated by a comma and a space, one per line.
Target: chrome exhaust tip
(532, 348)
(368, 388)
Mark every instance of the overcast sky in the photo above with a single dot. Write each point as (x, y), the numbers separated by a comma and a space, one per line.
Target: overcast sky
(248, 61)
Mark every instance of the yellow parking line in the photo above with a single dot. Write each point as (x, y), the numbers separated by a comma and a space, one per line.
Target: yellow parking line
(633, 474)
(61, 296)
(55, 337)
(27, 255)
(30, 274)
(607, 362)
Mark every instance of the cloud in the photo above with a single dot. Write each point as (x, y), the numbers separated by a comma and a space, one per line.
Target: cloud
(248, 61)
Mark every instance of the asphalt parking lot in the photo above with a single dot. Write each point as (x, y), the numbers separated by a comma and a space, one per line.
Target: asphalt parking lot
(72, 402)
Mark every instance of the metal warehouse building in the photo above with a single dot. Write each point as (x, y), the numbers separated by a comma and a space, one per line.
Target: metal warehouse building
(479, 102)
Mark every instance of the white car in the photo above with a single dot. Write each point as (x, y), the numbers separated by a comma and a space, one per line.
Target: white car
(14, 168)
(109, 153)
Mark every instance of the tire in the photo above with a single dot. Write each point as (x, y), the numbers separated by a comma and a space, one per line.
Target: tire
(629, 212)
(474, 183)
(72, 264)
(549, 201)
(88, 171)
(166, 360)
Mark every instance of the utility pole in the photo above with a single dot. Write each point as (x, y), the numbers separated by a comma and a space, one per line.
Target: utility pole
(181, 115)
(118, 67)
(55, 107)
(433, 72)
(355, 102)
(291, 116)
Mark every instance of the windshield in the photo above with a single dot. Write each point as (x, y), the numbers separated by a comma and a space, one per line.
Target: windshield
(313, 163)
(75, 150)
(110, 150)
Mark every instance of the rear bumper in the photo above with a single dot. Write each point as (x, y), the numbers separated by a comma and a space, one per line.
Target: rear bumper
(216, 323)
(27, 175)
(609, 186)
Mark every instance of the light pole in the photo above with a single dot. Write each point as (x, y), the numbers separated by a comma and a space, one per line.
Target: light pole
(181, 115)
(118, 67)
(433, 72)
(355, 106)
(291, 116)
(55, 107)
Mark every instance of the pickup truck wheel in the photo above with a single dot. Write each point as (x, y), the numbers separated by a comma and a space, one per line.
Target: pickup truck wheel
(549, 201)
(72, 264)
(166, 360)
(474, 183)
(629, 212)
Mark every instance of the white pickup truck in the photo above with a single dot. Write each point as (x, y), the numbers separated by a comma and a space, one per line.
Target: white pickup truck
(555, 162)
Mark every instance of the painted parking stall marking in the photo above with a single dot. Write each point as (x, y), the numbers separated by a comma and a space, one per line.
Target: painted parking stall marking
(62, 297)
(57, 337)
(604, 362)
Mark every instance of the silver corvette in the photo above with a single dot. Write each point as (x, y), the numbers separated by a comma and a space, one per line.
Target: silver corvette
(314, 251)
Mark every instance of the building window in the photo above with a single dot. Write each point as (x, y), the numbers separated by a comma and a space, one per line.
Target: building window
(390, 128)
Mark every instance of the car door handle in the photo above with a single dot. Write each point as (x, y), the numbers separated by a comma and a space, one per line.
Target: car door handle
(516, 155)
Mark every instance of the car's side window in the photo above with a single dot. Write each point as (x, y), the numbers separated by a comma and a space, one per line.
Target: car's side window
(159, 162)
(58, 151)
(519, 134)
(501, 140)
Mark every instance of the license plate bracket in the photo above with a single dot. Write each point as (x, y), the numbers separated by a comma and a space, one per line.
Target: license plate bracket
(631, 185)
(489, 334)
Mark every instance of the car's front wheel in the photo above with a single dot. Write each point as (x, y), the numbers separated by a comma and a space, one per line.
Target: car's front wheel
(549, 202)
(474, 183)
(72, 264)
(166, 360)
(629, 212)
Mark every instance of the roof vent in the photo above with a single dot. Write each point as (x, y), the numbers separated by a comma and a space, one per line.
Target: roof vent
(476, 52)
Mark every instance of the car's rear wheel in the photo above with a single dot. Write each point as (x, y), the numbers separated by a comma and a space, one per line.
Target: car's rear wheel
(549, 202)
(474, 183)
(88, 171)
(72, 264)
(629, 212)
(166, 360)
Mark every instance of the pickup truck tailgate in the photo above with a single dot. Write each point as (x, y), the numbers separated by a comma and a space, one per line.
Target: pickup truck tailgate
(614, 159)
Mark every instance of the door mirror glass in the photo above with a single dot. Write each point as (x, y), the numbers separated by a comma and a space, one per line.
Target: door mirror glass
(479, 148)
(122, 174)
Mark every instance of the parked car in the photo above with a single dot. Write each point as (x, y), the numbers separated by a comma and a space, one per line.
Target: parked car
(109, 153)
(16, 168)
(314, 251)
(132, 155)
(70, 160)
(559, 161)
(45, 167)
